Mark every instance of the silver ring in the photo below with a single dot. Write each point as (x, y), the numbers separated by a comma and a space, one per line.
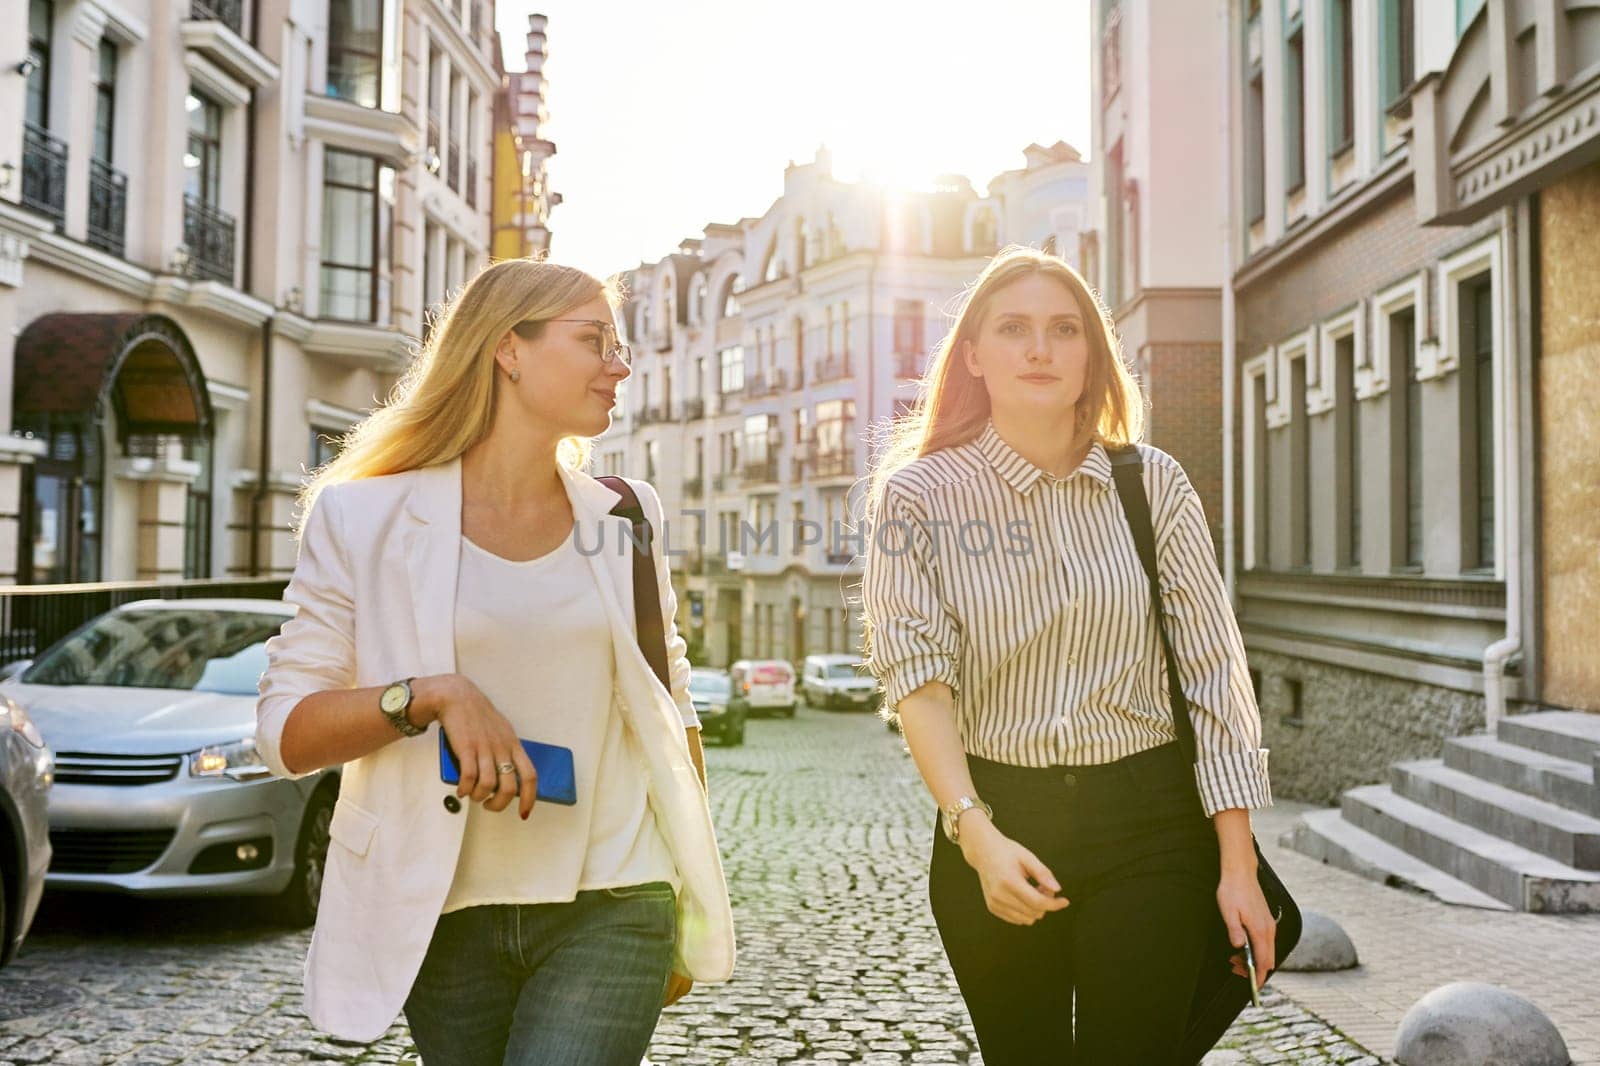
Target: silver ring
(507, 768)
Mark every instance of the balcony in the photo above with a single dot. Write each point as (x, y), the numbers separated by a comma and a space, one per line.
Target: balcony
(228, 12)
(208, 235)
(840, 463)
(763, 385)
(759, 472)
(650, 413)
(108, 207)
(694, 409)
(694, 486)
(832, 369)
(907, 364)
(44, 173)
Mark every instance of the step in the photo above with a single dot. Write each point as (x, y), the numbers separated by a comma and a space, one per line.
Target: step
(1548, 777)
(1569, 734)
(1509, 872)
(1552, 831)
(1327, 837)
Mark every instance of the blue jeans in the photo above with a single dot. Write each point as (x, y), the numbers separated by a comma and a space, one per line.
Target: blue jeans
(577, 983)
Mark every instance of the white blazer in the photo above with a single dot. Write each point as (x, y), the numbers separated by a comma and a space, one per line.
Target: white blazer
(375, 588)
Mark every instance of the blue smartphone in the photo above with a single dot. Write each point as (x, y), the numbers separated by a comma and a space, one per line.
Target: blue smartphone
(557, 781)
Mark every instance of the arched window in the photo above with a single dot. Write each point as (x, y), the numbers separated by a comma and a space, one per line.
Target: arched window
(730, 295)
(698, 300)
(772, 270)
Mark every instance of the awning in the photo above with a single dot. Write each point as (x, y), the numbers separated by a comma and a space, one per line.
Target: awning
(71, 364)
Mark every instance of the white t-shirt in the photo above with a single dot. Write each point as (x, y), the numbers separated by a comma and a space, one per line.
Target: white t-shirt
(534, 637)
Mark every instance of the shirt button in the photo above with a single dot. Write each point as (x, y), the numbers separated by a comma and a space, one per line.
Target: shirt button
(1072, 660)
(1069, 780)
(452, 804)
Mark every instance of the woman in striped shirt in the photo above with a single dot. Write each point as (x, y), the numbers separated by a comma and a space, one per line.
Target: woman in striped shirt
(1083, 859)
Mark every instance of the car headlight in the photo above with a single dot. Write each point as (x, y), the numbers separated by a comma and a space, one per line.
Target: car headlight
(714, 709)
(238, 760)
(14, 717)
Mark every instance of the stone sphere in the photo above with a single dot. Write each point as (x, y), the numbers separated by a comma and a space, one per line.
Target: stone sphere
(1323, 946)
(1472, 1024)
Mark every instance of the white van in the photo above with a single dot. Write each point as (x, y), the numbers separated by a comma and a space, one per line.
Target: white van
(838, 680)
(763, 686)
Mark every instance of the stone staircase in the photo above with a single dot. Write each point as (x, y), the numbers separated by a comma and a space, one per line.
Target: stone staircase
(1507, 822)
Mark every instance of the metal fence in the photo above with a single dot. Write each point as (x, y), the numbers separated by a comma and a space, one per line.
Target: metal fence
(33, 617)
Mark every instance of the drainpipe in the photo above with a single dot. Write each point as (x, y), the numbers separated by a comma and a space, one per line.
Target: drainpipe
(1509, 490)
(1230, 568)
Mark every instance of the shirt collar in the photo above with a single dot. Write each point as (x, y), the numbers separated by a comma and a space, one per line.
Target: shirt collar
(1022, 475)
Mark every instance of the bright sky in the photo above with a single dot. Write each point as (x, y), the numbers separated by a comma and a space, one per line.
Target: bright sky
(670, 115)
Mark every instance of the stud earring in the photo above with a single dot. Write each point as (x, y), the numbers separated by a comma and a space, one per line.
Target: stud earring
(516, 375)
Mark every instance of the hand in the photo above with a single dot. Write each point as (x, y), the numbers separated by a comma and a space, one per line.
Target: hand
(482, 739)
(1245, 911)
(678, 986)
(1017, 887)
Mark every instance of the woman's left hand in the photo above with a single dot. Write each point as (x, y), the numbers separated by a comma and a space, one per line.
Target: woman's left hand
(1245, 911)
(678, 986)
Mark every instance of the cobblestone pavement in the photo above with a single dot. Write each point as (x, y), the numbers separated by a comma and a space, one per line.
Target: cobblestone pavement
(824, 829)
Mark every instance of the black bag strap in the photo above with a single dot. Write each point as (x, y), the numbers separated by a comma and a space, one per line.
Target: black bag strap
(1127, 470)
(646, 607)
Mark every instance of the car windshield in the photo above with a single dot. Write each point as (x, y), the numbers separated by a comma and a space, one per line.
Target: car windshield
(201, 650)
(844, 671)
(709, 686)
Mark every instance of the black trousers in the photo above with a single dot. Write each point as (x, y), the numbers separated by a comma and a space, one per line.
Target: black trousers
(1138, 859)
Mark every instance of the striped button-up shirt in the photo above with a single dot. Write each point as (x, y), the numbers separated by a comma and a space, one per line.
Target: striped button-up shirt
(1024, 593)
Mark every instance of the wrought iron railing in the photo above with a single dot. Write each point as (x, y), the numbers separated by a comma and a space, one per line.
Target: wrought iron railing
(760, 471)
(228, 12)
(108, 207)
(33, 617)
(693, 409)
(44, 173)
(208, 233)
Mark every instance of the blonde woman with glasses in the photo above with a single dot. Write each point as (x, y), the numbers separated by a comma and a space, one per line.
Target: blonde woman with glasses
(463, 588)
(1083, 861)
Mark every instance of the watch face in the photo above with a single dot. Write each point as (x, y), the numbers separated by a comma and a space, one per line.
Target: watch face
(393, 698)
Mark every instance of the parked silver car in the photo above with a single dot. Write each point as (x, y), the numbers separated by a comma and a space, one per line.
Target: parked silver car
(25, 773)
(159, 790)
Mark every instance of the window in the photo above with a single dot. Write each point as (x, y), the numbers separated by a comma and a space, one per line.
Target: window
(1466, 11)
(1406, 394)
(759, 447)
(1400, 35)
(835, 433)
(1294, 111)
(1255, 152)
(1299, 465)
(699, 458)
(471, 191)
(41, 17)
(908, 327)
(730, 296)
(105, 101)
(355, 51)
(357, 213)
(772, 270)
(452, 163)
(1477, 421)
(652, 459)
(1341, 92)
(731, 369)
(202, 161)
(1348, 411)
(666, 391)
(435, 89)
(197, 513)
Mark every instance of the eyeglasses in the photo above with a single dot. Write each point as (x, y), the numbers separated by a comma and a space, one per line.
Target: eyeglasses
(612, 348)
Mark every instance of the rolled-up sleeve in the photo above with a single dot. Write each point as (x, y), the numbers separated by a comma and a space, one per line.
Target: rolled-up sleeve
(1231, 768)
(677, 648)
(315, 649)
(913, 636)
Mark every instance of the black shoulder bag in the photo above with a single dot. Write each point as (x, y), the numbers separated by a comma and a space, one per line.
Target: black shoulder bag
(1221, 994)
(647, 623)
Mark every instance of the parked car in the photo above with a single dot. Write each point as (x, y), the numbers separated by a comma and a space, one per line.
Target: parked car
(763, 686)
(26, 769)
(721, 719)
(838, 680)
(159, 789)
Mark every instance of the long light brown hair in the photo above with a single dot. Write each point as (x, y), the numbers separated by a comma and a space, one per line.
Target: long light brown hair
(954, 405)
(445, 401)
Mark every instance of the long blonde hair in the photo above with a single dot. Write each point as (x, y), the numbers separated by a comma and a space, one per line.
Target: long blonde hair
(954, 405)
(444, 402)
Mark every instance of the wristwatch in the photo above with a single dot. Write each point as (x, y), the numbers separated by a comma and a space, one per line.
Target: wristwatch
(395, 703)
(952, 815)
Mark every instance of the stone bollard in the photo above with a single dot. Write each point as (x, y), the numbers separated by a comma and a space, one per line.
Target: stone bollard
(1323, 946)
(1473, 1024)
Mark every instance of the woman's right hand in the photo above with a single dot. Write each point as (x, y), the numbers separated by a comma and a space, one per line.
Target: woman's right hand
(1017, 887)
(482, 738)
